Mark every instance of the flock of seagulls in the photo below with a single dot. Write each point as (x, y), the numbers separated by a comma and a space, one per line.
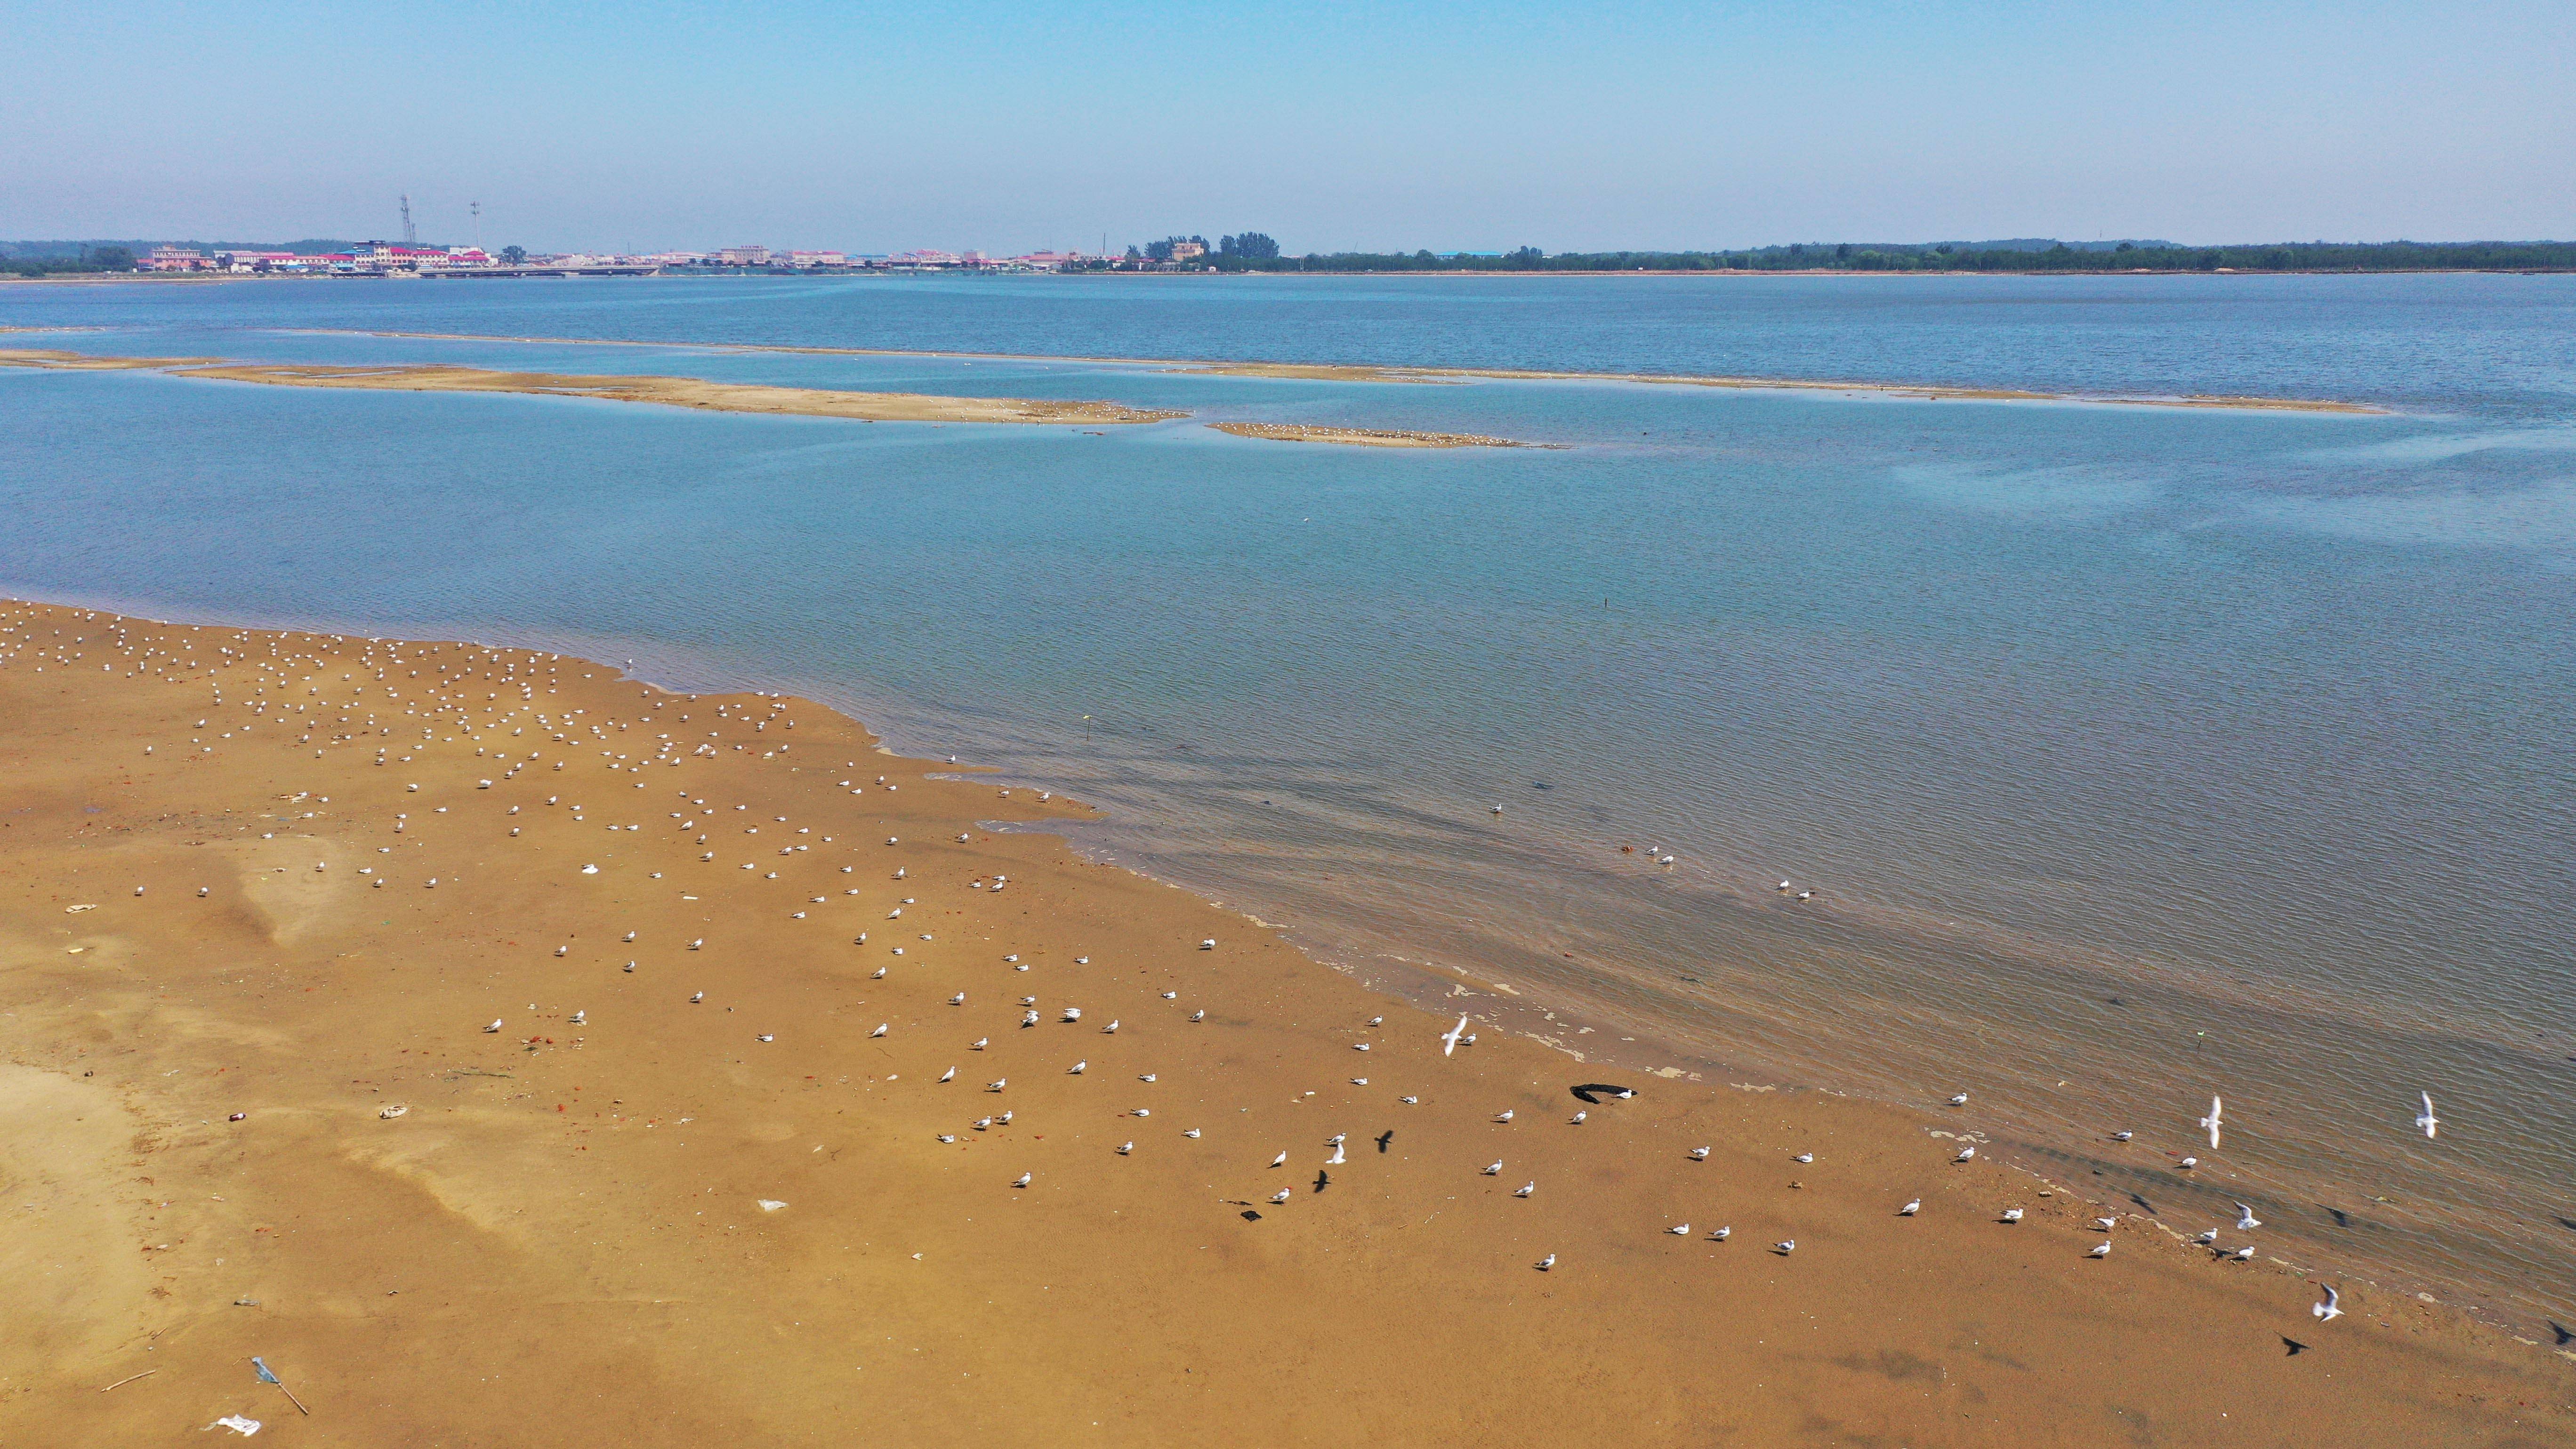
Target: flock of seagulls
(442, 705)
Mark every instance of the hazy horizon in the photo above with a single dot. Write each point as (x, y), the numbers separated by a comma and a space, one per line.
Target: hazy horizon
(1453, 128)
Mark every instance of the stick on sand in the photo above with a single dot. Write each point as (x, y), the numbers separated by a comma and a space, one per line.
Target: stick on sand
(129, 1378)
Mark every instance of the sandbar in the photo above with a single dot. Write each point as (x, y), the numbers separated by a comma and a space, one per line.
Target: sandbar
(684, 392)
(511, 1051)
(1363, 372)
(1367, 437)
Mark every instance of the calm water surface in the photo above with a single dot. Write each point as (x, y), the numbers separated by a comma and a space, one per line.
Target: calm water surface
(2132, 754)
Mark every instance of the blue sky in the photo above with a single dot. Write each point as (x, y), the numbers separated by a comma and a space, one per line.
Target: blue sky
(1331, 126)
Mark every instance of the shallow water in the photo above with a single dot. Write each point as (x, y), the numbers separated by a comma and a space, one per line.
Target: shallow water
(2133, 754)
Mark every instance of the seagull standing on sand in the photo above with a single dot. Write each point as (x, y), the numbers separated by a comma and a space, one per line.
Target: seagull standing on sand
(1280, 1161)
(1699, 1154)
(2012, 1215)
(2430, 1123)
(1525, 1189)
(2332, 1308)
(1682, 1231)
(1280, 1196)
(1910, 1209)
(2211, 1122)
(1024, 1180)
(1550, 1260)
(1506, 1115)
(2101, 1249)
(1965, 1154)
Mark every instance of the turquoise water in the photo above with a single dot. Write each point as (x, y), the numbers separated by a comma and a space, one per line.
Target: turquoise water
(2132, 753)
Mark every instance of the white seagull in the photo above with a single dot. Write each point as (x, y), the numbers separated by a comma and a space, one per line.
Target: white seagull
(2101, 1249)
(1076, 1069)
(1199, 1015)
(2212, 1123)
(2246, 1222)
(1910, 1209)
(949, 1075)
(1804, 1157)
(2430, 1123)
(1965, 1153)
(1280, 1196)
(2208, 1238)
(1024, 1180)
(1126, 1147)
(1280, 1161)
(1493, 1169)
(495, 1026)
(2332, 1308)
(1960, 1100)
(1506, 1115)
(881, 1029)
(1786, 1246)
(1449, 1040)
(1699, 1154)
(1547, 1262)
(2012, 1215)
(1682, 1231)
(1525, 1189)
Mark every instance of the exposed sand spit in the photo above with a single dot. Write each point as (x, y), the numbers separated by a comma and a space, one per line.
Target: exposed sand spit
(1367, 437)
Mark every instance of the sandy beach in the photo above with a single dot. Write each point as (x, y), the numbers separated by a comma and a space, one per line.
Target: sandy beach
(510, 1052)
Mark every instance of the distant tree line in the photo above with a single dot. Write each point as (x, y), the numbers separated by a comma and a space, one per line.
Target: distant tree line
(2017, 256)
(83, 258)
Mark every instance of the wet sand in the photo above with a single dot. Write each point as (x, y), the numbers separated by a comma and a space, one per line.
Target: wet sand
(685, 392)
(1366, 437)
(220, 904)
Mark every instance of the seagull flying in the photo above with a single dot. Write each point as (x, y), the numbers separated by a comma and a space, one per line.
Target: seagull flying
(2211, 1122)
(2246, 1222)
(2430, 1123)
(1449, 1041)
(2332, 1308)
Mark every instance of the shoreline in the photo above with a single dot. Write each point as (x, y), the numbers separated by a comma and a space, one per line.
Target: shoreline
(324, 1032)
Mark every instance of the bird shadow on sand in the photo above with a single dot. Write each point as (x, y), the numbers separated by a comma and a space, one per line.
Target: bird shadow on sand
(1384, 1138)
(2565, 1334)
(2293, 1345)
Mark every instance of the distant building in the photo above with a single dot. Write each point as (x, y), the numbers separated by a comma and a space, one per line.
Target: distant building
(817, 259)
(1187, 251)
(176, 259)
(743, 257)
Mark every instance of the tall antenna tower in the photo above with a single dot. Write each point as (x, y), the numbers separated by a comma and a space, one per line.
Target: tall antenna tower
(477, 209)
(411, 237)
